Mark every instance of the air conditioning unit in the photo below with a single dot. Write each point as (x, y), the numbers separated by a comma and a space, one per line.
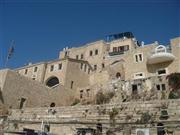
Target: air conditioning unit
(144, 131)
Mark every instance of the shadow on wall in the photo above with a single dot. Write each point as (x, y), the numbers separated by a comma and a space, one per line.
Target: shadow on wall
(1, 96)
(152, 68)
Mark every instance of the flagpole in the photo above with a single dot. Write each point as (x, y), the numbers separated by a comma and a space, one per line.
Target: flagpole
(10, 52)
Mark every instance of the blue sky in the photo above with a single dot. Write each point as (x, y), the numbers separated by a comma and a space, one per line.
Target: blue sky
(41, 28)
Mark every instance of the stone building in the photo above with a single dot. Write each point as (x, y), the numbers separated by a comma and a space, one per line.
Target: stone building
(83, 71)
(96, 63)
(38, 96)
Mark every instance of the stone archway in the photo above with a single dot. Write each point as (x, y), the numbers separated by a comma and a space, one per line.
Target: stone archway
(52, 81)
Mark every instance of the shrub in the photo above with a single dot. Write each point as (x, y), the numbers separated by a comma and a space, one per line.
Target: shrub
(173, 95)
(112, 115)
(76, 101)
(104, 97)
(145, 117)
(174, 81)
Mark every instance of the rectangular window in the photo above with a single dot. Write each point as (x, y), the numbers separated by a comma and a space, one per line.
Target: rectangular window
(77, 57)
(90, 53)
(88, 92)
(81, 94)
(161, 72)
(35, 69)
(60, 66)
(72, 83)
(139, 57)
(88, 70)
(96, 52)
(163, 87)
(81, 65)
(103, 66)
(82, 56)
(126, 48)
(52, 68)
(136, 58)
(121, 48)
(26, 71)
(85, 66)
(66, 53)
(114, 49)
(95, 67)
(158, 87)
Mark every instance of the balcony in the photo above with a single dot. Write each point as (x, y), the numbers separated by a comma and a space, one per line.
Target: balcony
(159, 55)
(116, 53)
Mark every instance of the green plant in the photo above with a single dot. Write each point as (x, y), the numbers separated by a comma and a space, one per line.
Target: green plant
(173, 95)
(102, 98)
(76, 101)
(145, 117)
(164, 115)
(174, 81)
(112, 115)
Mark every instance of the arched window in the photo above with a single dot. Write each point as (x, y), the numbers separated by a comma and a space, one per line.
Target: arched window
(118, 75)
(52, 81)
(52, 104)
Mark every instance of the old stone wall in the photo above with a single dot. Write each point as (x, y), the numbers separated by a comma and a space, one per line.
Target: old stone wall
(130, 116)
(22, 91)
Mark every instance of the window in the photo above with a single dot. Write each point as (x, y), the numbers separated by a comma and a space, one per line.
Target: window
(161, 87)
(96, 52)
(26, 71)
(139, 75)
(77, 57)
(120, 48)
(88, 70)
(88, 92)
(81, 94)
(52, 81)
(139, 57)
(82, 56)
(60, 66)
(114, 49)
(90, 53)
(158, 87)
(72, 82)
(103, 66)
(35, 69)
(66, 53)
(52, 68)
(81, 65)
(95, 67)
(85, 66)
(33, 78)
(161, 72)
(126, 48)
(22, 102)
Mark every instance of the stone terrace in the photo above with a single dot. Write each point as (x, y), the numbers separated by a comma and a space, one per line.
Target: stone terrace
(128, 112)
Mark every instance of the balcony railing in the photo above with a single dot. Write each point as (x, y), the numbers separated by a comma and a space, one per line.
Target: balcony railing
(160, 54)
(116, 53)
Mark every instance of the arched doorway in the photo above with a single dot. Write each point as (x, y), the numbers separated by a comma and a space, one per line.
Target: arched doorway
(52, 81)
